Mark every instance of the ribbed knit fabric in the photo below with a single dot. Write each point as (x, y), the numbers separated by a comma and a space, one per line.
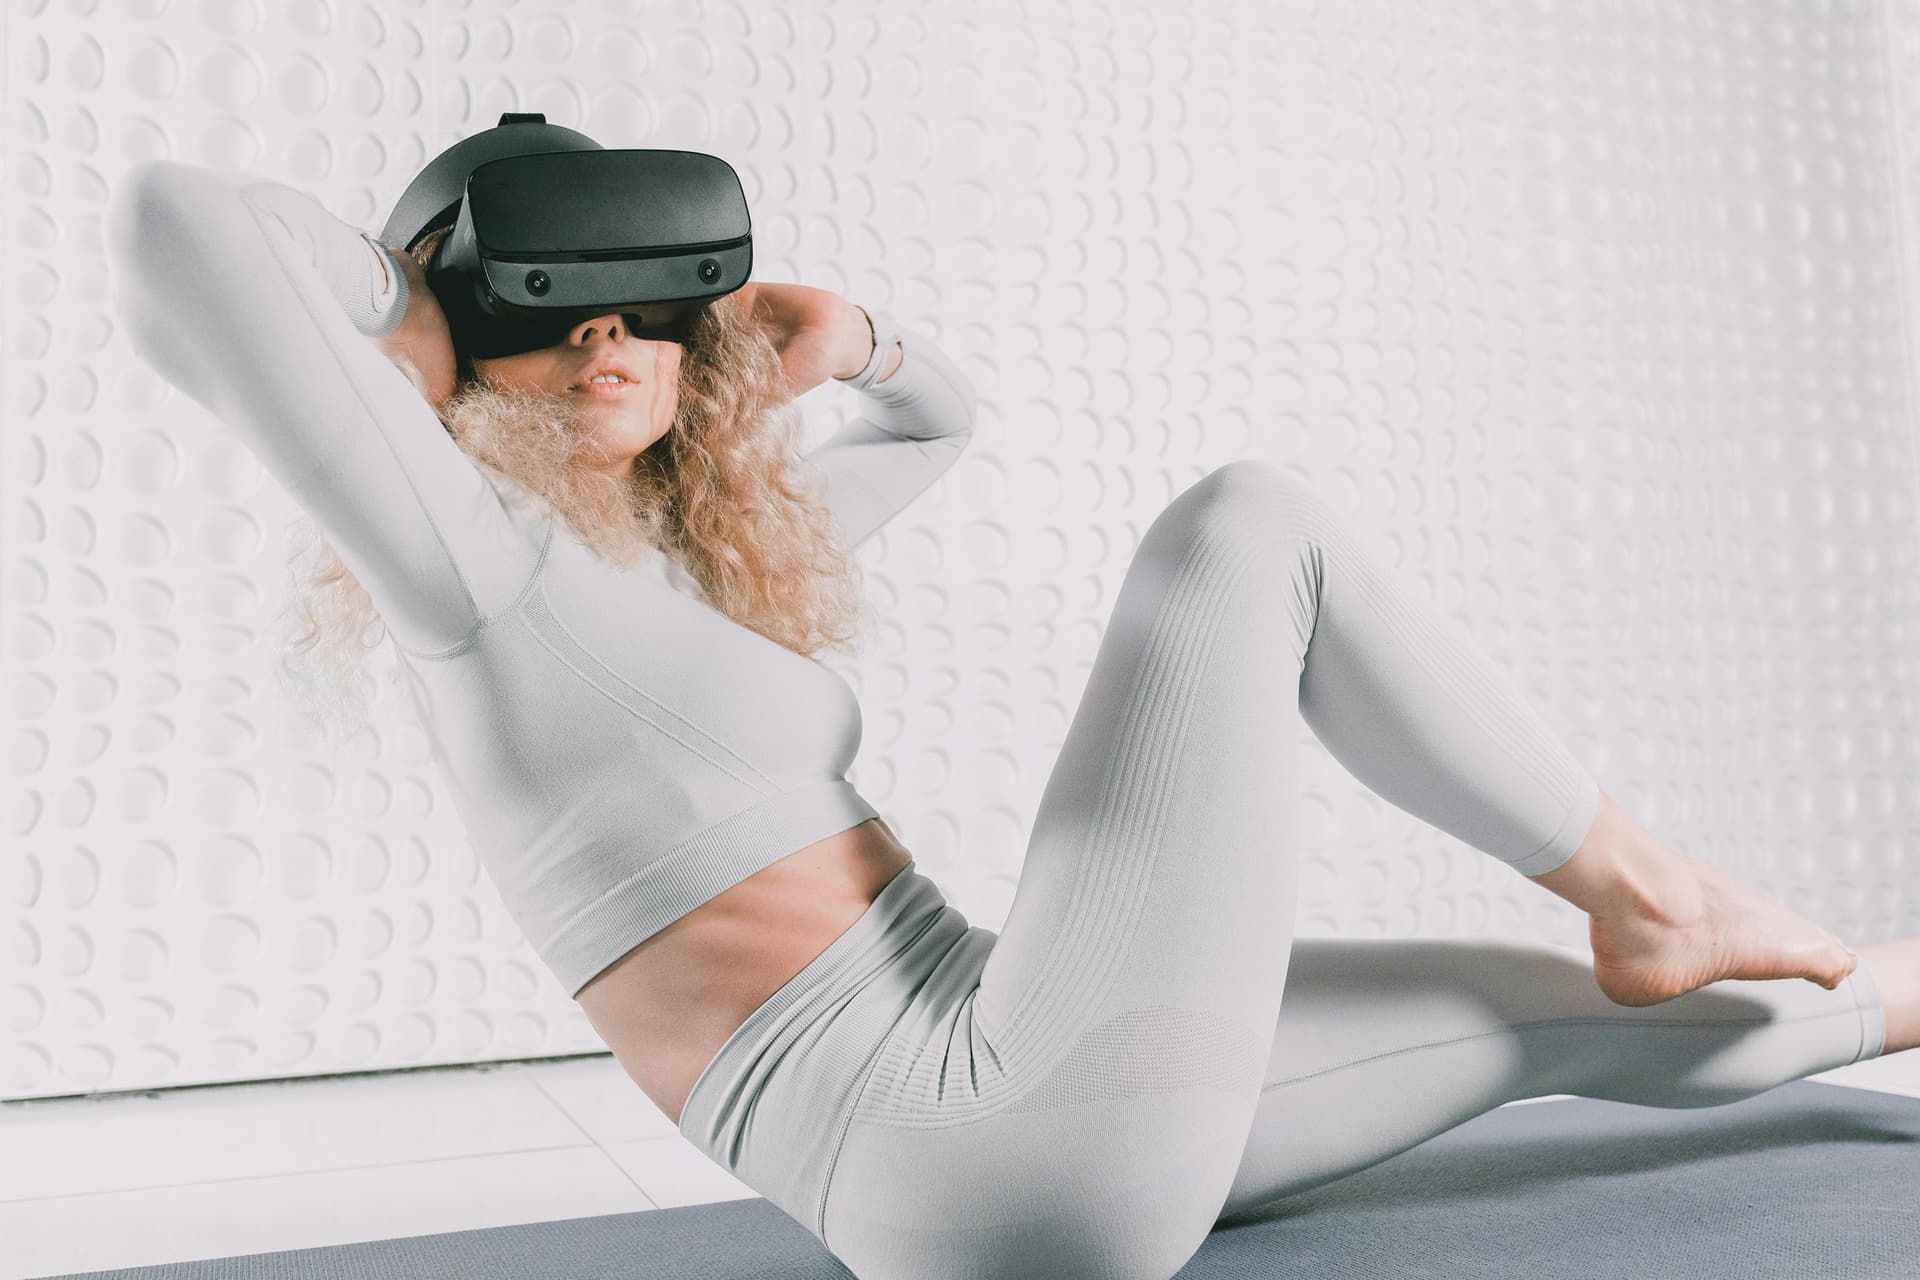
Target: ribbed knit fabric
(1145, 1046)
(619, 750)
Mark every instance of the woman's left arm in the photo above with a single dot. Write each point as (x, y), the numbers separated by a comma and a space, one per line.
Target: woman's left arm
(920, 407)
(817, 333)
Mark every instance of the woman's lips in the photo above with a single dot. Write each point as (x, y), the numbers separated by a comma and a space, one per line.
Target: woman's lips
(604, 390)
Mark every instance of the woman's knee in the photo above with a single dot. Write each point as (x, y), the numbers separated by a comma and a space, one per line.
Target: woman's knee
(1248, 497)
(1268, 485)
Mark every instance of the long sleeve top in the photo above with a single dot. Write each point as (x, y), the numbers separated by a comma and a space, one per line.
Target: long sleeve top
(618, 750)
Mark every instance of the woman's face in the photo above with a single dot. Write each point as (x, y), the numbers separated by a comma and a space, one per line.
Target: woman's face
(629, 415)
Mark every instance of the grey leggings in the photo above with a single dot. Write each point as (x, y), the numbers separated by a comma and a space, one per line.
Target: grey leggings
(1145, 1048)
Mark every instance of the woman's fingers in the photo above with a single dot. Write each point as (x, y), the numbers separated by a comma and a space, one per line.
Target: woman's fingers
(815, 331)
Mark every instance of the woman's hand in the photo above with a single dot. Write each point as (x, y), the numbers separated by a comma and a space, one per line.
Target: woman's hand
(818, 333)
(422, 346)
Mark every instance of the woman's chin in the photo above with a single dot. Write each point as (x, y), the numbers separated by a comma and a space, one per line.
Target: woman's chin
(626, 440)
(559, 448)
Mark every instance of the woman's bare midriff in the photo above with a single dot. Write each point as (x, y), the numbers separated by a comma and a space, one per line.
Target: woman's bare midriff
(667, 1006)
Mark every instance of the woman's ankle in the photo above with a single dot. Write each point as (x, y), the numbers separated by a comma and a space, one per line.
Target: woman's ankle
(1620, 870)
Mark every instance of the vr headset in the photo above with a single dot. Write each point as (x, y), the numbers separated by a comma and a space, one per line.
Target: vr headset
(550, 229)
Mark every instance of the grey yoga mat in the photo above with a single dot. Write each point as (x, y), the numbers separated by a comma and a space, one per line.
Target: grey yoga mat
(1804, 1181)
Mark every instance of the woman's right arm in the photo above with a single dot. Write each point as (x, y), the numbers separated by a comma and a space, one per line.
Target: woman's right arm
(259, 304)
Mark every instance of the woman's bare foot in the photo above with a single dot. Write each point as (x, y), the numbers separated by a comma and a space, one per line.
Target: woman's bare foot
(1642, 958)
(1664, 924)
(1895, 968)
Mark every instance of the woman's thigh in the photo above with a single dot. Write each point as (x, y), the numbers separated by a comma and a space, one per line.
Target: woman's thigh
(1080, 1109)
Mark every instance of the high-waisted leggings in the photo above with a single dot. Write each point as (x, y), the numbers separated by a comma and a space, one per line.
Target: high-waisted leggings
(1145, 1048)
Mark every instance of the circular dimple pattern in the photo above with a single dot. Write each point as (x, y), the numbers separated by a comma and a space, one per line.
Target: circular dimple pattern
(230, 79)
(225, 871)
(1572, 395)
(25, 1008)
(229, 944)
(313, 944)
(153, 69)
(146, 956)
(302, 84)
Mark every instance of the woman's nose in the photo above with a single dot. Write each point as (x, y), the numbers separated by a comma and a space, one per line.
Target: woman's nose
(613, 324)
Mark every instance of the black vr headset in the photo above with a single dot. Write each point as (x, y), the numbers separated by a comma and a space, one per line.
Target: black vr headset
(550, 228)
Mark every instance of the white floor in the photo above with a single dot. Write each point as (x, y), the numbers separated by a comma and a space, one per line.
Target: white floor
(125, 1180)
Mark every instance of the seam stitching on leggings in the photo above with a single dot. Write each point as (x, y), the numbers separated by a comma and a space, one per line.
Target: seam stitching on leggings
(867, 1072)
(1693, 1023)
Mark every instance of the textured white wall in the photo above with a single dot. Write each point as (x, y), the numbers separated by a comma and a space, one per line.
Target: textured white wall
(1593, 313)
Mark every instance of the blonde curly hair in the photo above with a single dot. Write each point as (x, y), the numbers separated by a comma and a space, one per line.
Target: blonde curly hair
(714, 492)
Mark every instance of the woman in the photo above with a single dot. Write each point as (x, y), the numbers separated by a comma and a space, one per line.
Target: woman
(658, 787)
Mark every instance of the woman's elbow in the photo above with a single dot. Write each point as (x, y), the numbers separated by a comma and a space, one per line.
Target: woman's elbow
(143, 213)
(162, 224)
(165, 221)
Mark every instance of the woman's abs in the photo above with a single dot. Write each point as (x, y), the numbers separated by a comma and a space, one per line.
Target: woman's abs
(667, 1006)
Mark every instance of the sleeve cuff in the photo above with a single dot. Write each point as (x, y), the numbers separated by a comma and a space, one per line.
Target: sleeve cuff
(381, 310)
(885, 334)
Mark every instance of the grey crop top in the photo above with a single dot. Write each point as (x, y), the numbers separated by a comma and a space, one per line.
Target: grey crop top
(618, 750)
